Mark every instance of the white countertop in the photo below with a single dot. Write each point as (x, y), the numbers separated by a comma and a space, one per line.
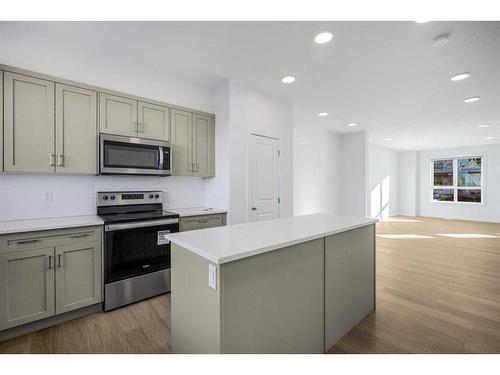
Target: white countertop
(195, 211)
(30, 225)
(225, 244)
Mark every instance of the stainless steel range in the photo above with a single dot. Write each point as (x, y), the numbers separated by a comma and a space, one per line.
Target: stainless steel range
(136, 252)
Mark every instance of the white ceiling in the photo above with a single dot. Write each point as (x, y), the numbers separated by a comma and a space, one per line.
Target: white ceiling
(385, 76)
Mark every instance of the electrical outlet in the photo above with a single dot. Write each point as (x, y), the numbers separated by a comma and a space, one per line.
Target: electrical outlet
(212, 276)
(47, 196)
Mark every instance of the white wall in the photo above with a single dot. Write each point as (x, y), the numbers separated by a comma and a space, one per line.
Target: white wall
(252, 111)
(407, 183)
(489, 211)
(354, 174)
(21, 195)
(316, 162)
(217, 188)
(382, 182)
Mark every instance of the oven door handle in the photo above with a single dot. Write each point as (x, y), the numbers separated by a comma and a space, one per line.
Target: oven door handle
(139, 224)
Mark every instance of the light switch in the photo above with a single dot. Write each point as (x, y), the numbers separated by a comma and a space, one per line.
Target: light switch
(212, 276)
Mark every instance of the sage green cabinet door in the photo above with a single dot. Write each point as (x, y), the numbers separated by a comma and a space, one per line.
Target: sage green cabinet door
(181, 140)
(76, 130)
(118, 115)
(26, 286)
(28, 124)
(154, 121)
(203, 146)
(78, 276)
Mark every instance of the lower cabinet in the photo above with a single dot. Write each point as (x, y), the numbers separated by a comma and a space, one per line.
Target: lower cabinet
(26, 287)
(48, 273)
(201, 222)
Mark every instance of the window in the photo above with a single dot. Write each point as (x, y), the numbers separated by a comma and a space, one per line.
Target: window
(457, 180)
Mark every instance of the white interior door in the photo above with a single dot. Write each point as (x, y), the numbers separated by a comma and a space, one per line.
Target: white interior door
(263, 178)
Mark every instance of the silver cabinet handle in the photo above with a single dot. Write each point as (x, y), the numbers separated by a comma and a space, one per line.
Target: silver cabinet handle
(60, 160)
(50, 262)
(196, 167)
(80, 235)
(24, 242)
(52, 161)
(59, 260)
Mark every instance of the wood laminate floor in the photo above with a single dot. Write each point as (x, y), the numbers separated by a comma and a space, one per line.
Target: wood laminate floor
(438, 291)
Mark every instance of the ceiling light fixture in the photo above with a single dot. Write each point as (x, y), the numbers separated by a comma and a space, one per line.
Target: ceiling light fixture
(288, 79)
(421, 21)
(352, 125)
(489, 138)
(323, 114)
(387, 139)
(323, 37)
(472, 99)
(460, 77)
(441, 40)
(484, 125)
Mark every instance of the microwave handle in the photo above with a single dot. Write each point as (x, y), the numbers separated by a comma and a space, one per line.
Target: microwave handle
(161, 158)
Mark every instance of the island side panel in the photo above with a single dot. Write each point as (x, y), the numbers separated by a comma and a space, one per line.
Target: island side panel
(195, 305)
(349, 281)
(274, 302)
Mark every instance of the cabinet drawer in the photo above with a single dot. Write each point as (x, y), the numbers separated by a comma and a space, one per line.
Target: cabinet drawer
(201, 222)
(33, 240)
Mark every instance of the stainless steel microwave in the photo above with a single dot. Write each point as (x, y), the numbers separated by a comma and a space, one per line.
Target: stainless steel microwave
(129, 155)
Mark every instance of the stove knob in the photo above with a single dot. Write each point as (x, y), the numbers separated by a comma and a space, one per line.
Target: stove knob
(112, 197)
(105, 198)
(157, 196)
(150, 196)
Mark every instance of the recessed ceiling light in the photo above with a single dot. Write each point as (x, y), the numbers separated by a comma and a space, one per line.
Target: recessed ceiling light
(323, 37)
(323, 114)
(387, 139)
(422, 21)
(489, 138)
(352, 124)
(441, 40)
(288, 79)
(472, 99)
(460, 77)
(484, 125)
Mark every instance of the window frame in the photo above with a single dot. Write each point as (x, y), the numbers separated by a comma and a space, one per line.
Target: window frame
(455, 188)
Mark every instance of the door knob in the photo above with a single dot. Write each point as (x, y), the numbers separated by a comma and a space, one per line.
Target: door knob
(254, 208)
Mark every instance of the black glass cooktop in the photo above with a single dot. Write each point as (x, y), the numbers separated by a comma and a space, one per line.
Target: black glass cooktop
(136, 216)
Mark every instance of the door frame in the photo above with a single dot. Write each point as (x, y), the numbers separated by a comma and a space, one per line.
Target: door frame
(247, 190)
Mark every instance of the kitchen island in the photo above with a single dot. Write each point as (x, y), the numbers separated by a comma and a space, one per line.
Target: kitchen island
(290, 285)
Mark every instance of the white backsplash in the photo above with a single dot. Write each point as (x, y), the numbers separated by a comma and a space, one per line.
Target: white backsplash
(22, 196)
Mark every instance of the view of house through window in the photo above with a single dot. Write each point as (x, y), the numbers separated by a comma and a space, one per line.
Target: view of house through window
(457, 180)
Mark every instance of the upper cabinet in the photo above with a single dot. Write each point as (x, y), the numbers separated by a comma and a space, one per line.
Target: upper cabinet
(181, 140)
(76, 130)
(153, 121)
(28, 124)
(203, 146)
(192, 144)
(133, 118)
(43, 135)
(51, 125)
(118, 115)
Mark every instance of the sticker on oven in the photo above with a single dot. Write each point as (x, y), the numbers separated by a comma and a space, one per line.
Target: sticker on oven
(162, 237)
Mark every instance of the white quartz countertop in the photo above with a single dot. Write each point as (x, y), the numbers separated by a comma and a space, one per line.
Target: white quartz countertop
(196, 211)
(30, 225)
(225, 244)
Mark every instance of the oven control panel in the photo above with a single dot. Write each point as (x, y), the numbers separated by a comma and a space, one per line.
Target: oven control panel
(121, 198)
